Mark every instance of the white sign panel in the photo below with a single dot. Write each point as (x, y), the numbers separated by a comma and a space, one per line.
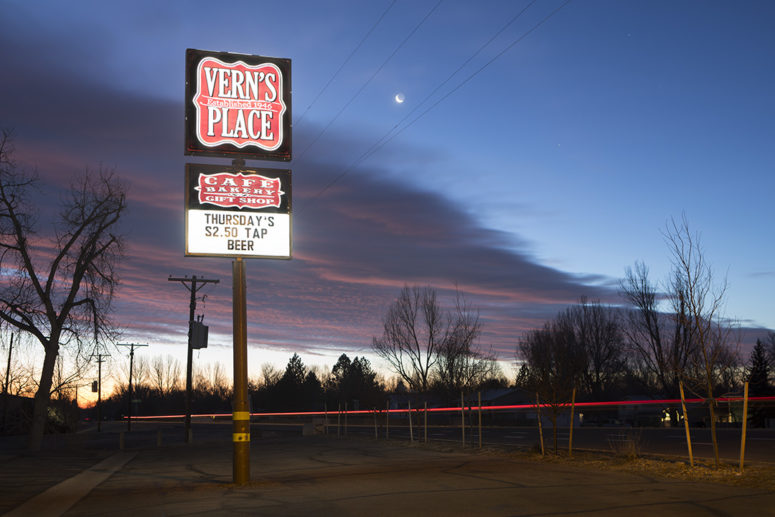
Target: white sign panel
(234, 212)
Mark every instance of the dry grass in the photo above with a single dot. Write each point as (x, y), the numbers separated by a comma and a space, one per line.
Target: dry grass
(629, 459)
(759, 475)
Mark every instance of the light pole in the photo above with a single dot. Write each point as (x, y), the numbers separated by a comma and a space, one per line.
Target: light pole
(100, 360)
(131, 361)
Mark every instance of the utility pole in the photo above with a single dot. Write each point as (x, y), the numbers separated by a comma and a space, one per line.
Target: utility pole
(196, 284)
(131, 361)
(8, 368)
(5, 386)
(100, 360)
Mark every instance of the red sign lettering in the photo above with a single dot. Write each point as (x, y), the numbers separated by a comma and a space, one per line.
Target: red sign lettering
(239, 104)
(239, 190)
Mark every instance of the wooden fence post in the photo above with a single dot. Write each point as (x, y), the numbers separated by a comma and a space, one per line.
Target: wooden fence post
(411, 432)
(480, 419)
(387, 420)
(463, 418)
(686, 424)
(426, 422)
(540, 426)
(745, 427)
(572, 412)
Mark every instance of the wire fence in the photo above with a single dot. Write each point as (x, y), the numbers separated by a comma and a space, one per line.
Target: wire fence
(624, 428)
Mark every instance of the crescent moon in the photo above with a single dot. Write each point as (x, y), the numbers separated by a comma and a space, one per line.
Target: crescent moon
(400, 98)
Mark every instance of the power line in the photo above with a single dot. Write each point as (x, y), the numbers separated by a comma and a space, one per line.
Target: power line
(347, 60)
(488, 63)
(368, 81)
(379, 143)
(384, 140)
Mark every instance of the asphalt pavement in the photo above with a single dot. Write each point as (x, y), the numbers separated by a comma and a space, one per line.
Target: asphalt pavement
(293, 474)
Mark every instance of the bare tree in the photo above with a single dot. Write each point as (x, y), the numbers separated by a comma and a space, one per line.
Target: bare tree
(553, 364)
(201, 379)
(461, 364)
(20, 375)
(698, 300)
(140, 374)
(598, 332)
(270, 374)
(165, 375)
(66, 377)
(211, 379)
(58, 291)
(660, 342)
(414, 329)
(323, 373)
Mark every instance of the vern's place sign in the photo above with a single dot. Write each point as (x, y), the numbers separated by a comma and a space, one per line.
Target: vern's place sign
(237, 105)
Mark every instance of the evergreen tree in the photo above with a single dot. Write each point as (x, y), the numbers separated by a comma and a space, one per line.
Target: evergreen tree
(312, 392)
(288, 393)
(758, 383)
(759, 372)
(354, 381)
(295, 371)
(770, 347)
(340, 370)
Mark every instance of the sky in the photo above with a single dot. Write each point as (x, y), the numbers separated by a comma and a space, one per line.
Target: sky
(541, 149)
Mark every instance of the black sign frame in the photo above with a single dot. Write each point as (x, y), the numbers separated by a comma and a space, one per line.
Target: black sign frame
(191, 202)
(193, 146)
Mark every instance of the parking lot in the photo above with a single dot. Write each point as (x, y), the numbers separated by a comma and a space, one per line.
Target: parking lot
(321, 475)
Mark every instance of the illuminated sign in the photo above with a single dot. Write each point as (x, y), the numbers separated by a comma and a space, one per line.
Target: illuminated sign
(238, 212)
(238, 105)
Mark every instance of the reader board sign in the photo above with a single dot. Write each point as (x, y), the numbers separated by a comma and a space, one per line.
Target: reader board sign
(238, 105)
(238, 212)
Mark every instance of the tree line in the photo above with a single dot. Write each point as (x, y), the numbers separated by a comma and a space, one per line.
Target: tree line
(158, 388)
(658, 343)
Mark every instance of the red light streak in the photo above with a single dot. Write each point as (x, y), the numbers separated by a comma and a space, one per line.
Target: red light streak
(457, 409)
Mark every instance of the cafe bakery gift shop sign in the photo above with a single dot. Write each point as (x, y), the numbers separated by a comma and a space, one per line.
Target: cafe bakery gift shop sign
(238, 105)
(238, 212)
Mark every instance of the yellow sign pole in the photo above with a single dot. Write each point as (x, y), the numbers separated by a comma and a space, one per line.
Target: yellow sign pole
(241, 411)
